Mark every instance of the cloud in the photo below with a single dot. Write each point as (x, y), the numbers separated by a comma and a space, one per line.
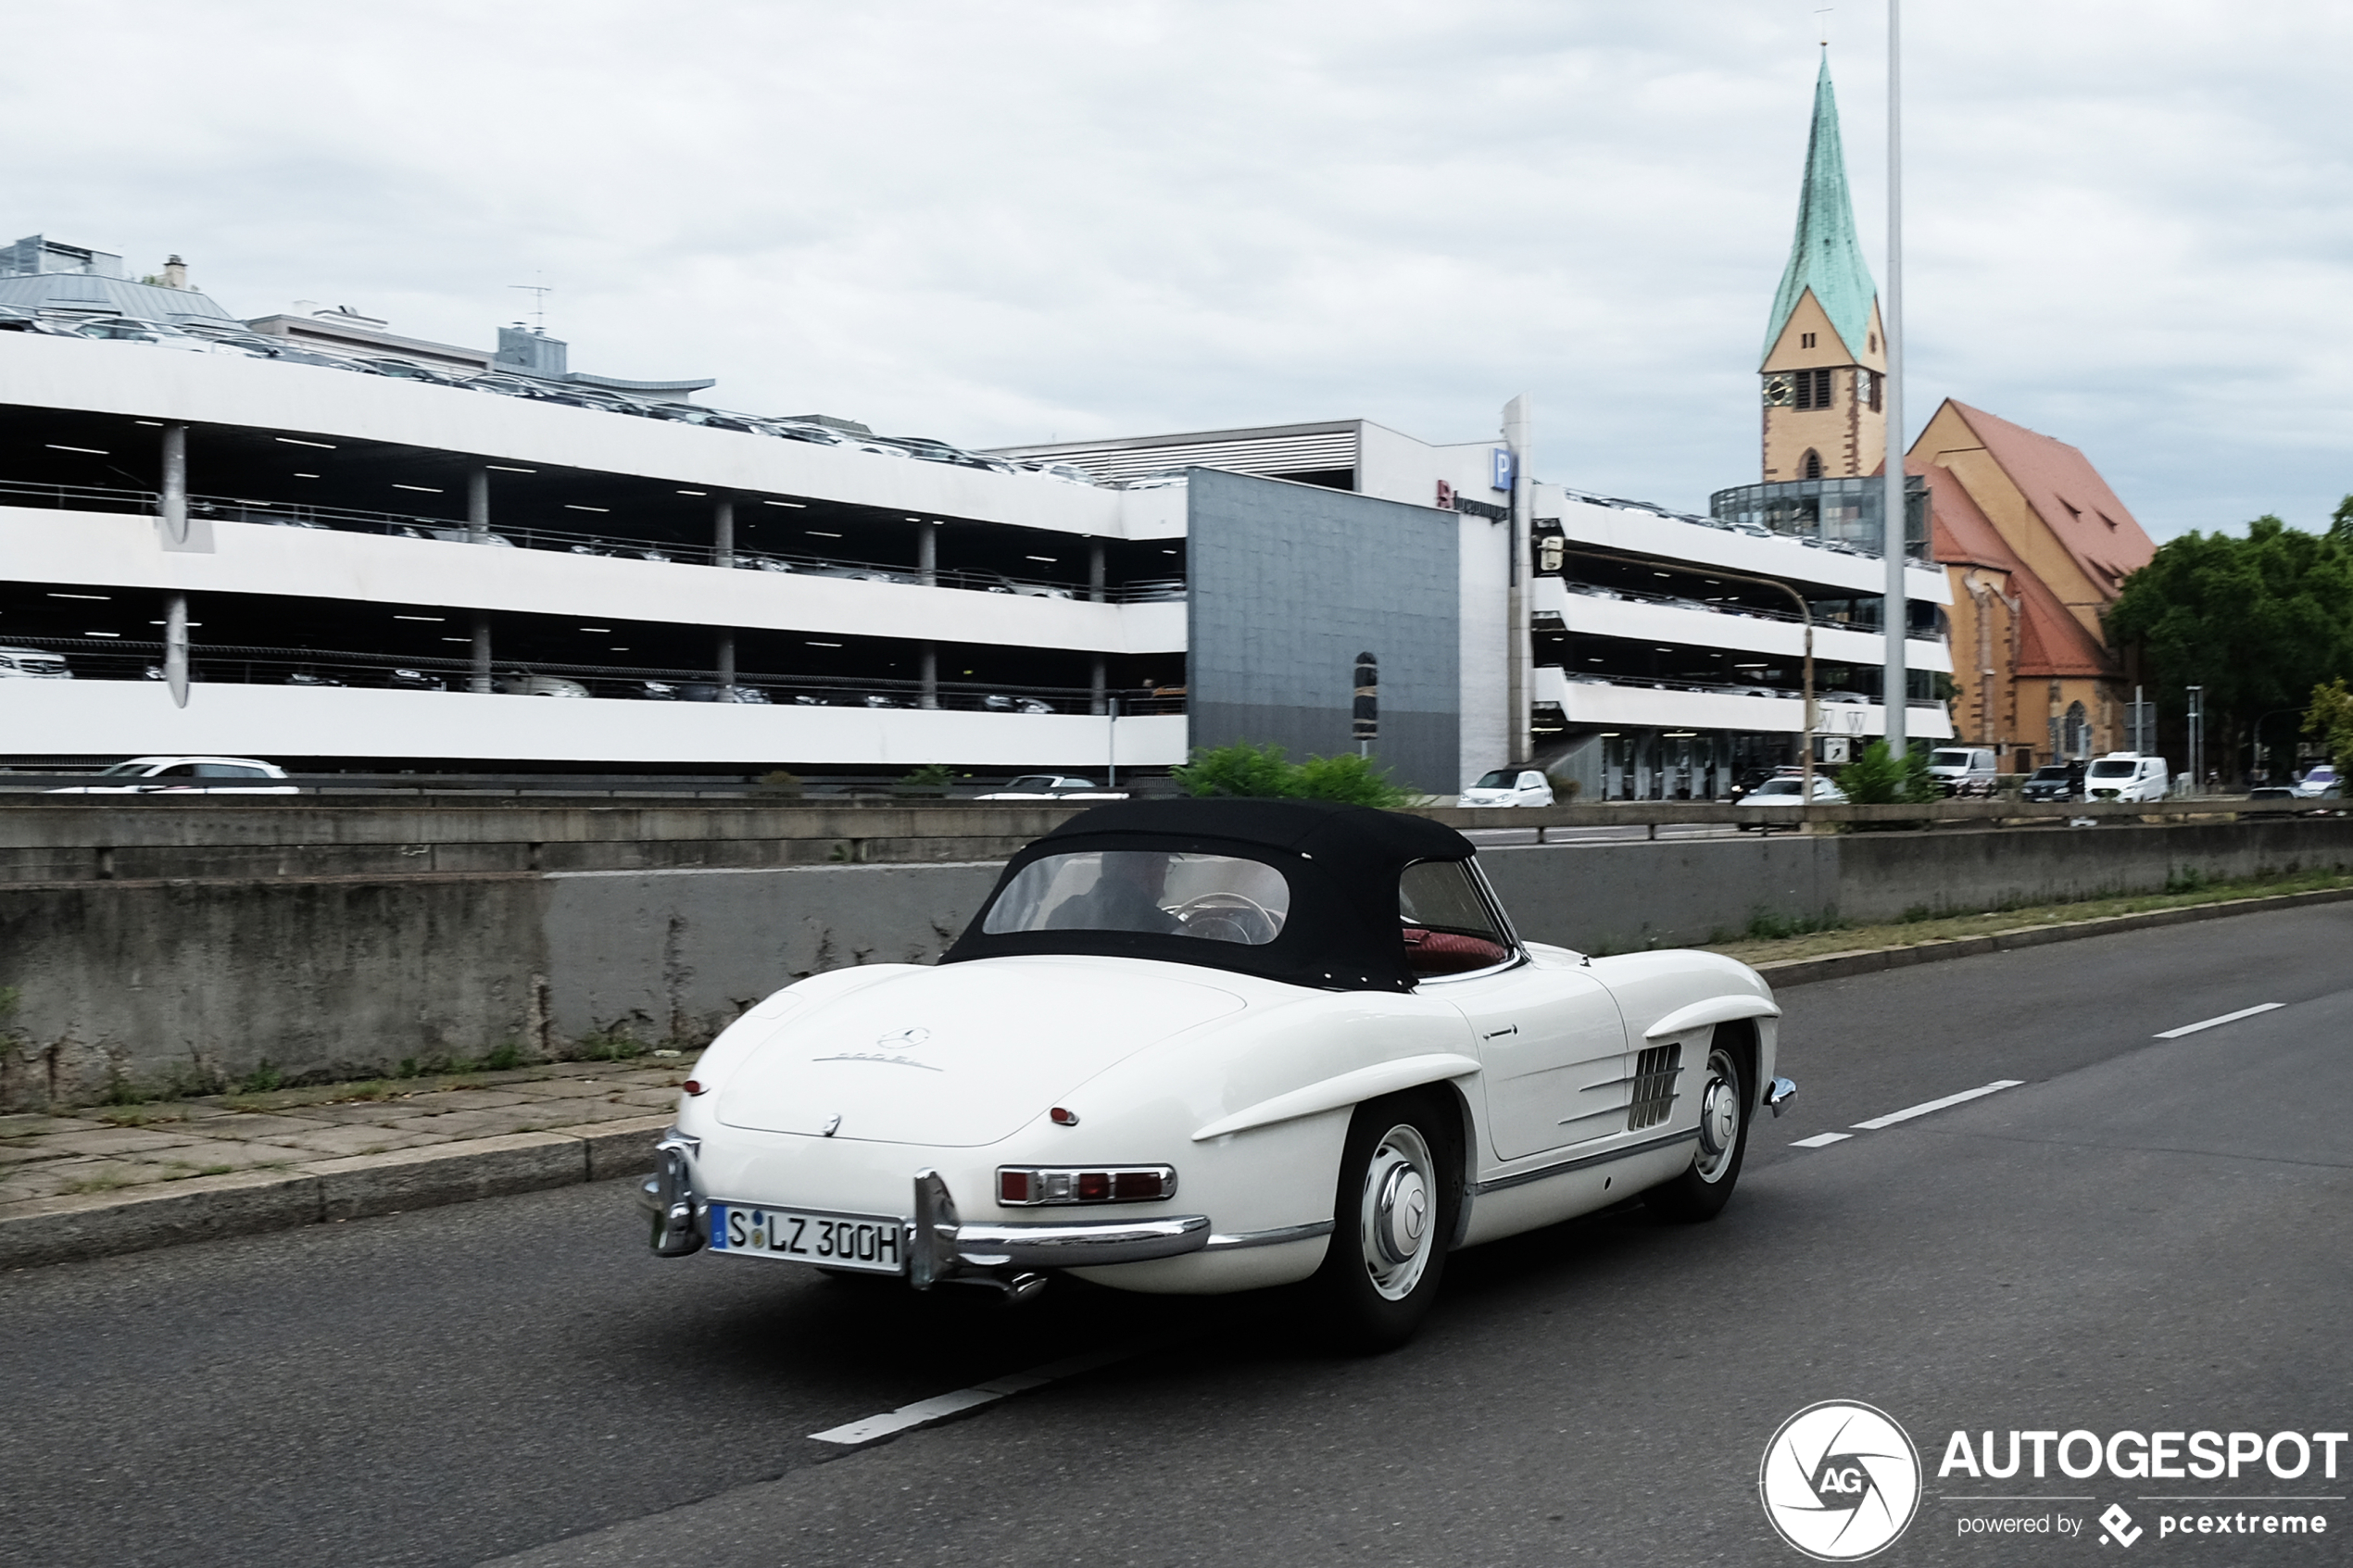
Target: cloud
(2127, 224)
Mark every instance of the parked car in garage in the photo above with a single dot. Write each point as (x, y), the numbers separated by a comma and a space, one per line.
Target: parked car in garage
(188, 775)
(34, 664)
(521, 683)
(1210, 1046)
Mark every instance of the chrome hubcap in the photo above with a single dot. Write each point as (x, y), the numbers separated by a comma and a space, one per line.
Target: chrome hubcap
(1399, 1213)
(1720, 1116)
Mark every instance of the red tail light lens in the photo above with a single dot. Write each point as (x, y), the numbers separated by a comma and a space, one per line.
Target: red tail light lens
(693, 1085)
(1034, 1185)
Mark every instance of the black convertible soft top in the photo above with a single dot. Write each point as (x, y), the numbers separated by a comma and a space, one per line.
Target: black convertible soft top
(1342, 863)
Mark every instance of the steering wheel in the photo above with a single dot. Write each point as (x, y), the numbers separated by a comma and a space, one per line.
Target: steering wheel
(1228, 917)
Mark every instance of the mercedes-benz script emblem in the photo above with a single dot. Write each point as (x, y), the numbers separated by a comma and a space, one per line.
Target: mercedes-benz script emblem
(1840, 1481)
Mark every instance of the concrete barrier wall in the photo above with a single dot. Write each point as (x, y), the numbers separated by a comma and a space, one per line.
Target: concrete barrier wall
(151, 983)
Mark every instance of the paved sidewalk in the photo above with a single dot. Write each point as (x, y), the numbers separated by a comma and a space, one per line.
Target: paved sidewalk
(118, 1178)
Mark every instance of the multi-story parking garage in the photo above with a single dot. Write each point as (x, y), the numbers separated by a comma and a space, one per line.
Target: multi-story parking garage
(1654, 661)
(375, 569)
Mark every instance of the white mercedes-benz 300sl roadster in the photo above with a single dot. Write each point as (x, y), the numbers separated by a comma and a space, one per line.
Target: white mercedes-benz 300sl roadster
(1202, 1046)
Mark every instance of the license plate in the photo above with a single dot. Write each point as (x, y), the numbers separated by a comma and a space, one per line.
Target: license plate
(867, 1242)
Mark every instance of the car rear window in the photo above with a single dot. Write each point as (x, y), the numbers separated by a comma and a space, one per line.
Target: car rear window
(1213, 898)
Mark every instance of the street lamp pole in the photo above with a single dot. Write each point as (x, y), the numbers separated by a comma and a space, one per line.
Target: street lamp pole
(1893, 687)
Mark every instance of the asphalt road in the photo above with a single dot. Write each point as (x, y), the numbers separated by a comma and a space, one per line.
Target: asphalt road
(2145, 1234)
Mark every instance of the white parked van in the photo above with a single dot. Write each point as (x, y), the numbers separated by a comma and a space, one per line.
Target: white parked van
(2124, 775)
(1963, 770)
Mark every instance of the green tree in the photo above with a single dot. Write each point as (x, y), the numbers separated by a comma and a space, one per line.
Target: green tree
(1877, 778)
(2331, 717)
(2258, 621)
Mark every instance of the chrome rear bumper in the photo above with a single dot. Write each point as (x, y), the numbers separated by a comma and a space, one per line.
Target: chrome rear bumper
(940, 1246)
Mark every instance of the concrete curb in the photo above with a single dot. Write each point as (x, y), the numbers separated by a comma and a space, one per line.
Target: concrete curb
(1872, 961)
(56, 1230)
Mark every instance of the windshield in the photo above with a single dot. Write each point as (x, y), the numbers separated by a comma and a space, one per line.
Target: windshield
(1948, 759)
(1216, 897)
(1777, 787)
(1502, 778)
(2051, 772)
(2118, 770)
(121, 769)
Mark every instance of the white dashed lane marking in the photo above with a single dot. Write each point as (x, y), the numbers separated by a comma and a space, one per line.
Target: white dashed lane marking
(2211, 1022)
(923, 1412)
(1823, 1140)
(1996, 1087)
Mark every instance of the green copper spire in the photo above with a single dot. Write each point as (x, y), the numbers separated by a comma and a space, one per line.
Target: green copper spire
(1824, 256)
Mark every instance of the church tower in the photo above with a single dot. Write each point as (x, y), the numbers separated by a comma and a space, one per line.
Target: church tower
(1825, 357)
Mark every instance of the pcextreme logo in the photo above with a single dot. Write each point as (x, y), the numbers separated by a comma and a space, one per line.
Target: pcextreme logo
(1840, 1481)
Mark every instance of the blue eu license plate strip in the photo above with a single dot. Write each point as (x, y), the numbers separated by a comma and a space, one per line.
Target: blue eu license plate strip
(869, 1243)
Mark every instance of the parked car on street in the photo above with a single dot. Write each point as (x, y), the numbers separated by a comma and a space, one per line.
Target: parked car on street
(34, 664)
(1963, 770)
(2053, 780)
(1510, 786)
(1048, 786)
(188, 775)
(2319, 781)
(2124, 775)
(1210, 1046)
(1789, 789)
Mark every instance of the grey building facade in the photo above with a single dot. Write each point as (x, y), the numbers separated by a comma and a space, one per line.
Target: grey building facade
(1289, 583)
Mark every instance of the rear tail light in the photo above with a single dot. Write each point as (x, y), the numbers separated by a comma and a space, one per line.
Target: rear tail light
(694, 1085)
(1034, 1185)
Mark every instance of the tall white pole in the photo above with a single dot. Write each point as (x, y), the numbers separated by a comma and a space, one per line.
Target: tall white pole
(1894, 687)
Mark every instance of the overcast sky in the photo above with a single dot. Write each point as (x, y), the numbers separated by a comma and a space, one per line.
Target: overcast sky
(995, 221)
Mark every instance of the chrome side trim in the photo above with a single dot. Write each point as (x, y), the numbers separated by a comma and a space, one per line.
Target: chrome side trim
(1779, 1094)
(1276, 1237)
(1561, 1168)
(989, 1244)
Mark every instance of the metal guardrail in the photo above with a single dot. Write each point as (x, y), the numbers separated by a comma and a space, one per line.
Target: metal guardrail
(1954, 812)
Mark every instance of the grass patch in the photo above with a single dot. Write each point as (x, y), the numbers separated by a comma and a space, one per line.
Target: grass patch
(104, 1181)
(1770, 940)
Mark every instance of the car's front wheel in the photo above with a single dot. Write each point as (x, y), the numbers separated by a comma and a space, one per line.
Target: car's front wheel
(1700, 1192)
(1393, 1216)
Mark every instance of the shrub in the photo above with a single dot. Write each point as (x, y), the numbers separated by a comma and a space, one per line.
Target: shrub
(780, 780)
(1877, 778)
(1261, 772)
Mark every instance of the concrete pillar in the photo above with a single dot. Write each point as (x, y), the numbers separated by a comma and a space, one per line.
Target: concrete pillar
(1099, 687)
(723, 538)
(480, 680)
(477, 506)
(175, 647)
(928, 697)
(1095, 571)
(928, 556)
(726, 659)
(175, 487)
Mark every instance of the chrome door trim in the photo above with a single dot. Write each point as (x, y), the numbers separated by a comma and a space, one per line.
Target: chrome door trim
(1562, 1167)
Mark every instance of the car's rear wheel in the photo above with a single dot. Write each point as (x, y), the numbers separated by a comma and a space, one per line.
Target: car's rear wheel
(1394, 1217)
(1725, 1099)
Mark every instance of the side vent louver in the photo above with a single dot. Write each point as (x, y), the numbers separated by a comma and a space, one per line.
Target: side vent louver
(1655, 1072)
